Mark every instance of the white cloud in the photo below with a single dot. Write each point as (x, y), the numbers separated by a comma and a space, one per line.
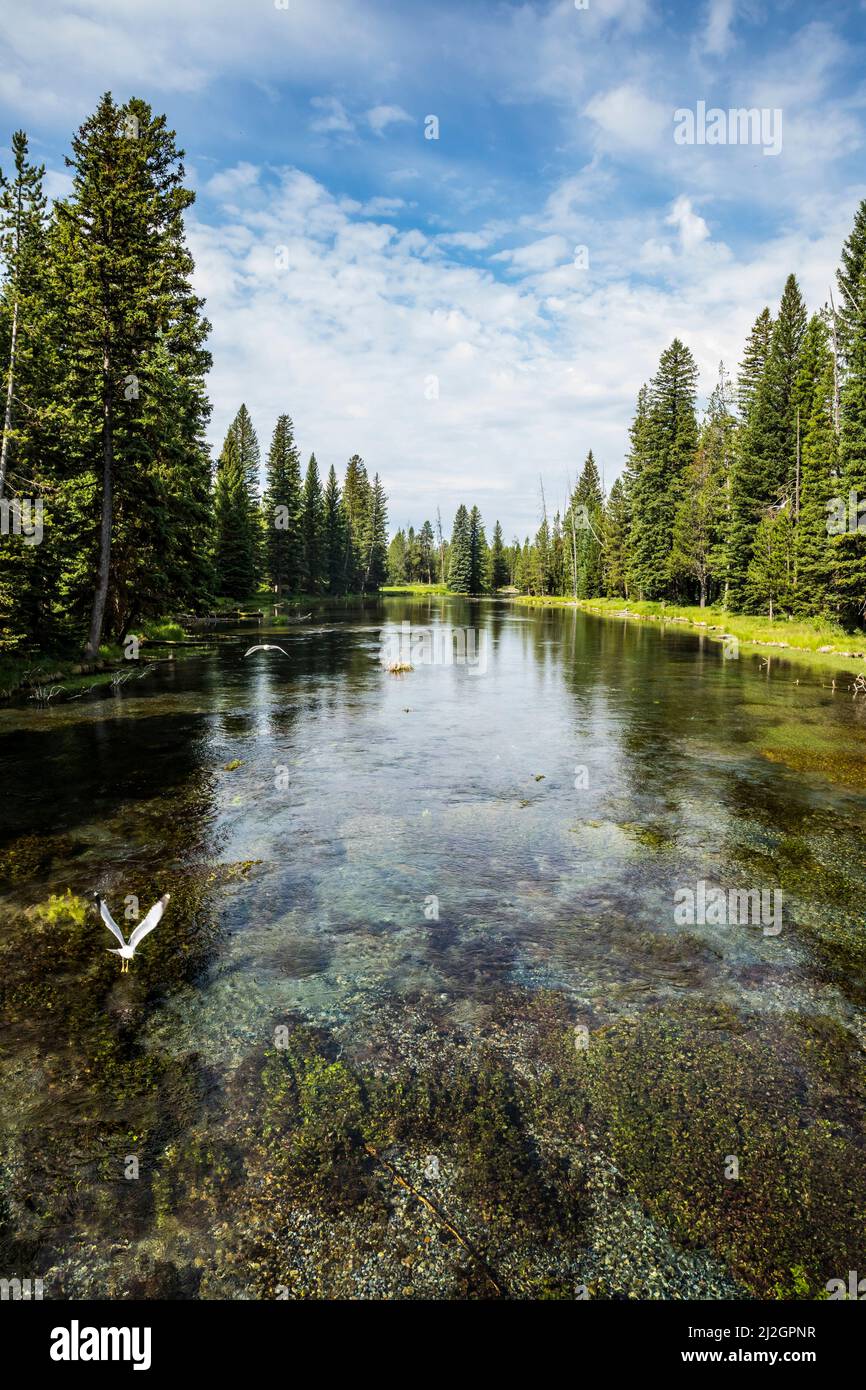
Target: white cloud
(230, 182)
(380, 117)
(718, 35)
(627, 118)
(334, 116)
(543, 254)
(537, 358)
(542, 368)
(691, 227)
(382, 207)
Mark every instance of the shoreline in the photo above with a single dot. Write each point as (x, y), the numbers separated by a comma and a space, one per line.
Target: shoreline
(836, 650)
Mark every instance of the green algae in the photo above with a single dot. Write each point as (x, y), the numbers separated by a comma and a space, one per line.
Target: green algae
(300, 1155)
(818, 879)
(29, 856)
(258, 1176)
(677, 1093)
(654, 837)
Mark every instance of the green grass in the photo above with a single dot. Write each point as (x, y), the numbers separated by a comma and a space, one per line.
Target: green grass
(22, 672)
(804, 635)
(414, 589)
(165, 631)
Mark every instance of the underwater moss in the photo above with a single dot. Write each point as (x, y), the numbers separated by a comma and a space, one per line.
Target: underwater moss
(678, 1093)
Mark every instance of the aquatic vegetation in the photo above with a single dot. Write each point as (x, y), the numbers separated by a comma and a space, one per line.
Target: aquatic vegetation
(825, 898)
(677, 1093)
(28, 856)
(61, 908)
(330, 1135)
(651, 836)
(433, 1125)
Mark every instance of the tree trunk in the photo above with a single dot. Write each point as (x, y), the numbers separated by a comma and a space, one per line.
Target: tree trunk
(703, 593)
(100, 597)
(10, 387)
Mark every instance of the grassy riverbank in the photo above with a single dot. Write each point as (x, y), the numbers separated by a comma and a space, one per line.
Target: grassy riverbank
(34, 672)
(813, 637)
(414, 589)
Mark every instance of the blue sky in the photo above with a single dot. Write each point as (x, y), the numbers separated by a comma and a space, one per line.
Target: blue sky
(422, 301)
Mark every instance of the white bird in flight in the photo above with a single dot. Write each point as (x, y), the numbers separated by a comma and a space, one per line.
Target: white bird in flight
(126, 952)
(265, 647)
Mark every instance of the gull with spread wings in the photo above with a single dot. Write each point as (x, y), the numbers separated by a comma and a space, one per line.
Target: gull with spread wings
(126, 952)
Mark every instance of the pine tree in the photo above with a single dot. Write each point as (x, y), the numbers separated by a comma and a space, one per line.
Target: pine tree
(29, 573)
(764, 473)
(356, 503)
(282, 508)
(460, 559)
(584, 528)
(375, 540)
(754, 362)
(615, 532)
(668, 437)
(315, 558)
(426, 553)
(235, 509)
(719, 444)
(22, 217)
(850, 547)
(770, 575)
(538, 576)
(413, 556)
(336, 531)
(817, 479)
(849, 276)
(497, 573)
(477, 552)
(697, 524)
(397, 558)
(634, 465)
(133, 351)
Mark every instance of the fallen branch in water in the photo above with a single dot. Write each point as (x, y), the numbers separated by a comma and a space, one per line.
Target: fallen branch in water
(439, 1215)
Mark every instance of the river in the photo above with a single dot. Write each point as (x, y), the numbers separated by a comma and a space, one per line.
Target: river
(473, 859)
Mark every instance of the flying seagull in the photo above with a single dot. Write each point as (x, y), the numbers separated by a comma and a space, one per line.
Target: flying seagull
(126, 952)
(265, 647)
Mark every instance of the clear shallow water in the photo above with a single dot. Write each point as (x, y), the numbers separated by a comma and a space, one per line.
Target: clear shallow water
(552, 805)
(361, 795)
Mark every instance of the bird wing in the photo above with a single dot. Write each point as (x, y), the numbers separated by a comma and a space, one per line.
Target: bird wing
(109, 920)
(276, 649)
(259, 648)
(151, 920)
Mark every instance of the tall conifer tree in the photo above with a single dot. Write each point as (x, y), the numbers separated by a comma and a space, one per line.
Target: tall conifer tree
(283, 510)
